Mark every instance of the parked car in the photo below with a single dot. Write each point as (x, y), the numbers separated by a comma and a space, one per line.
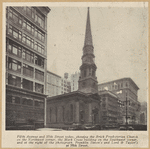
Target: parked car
(49, 129)
(93, 127)
(122, 128)
(130, 128)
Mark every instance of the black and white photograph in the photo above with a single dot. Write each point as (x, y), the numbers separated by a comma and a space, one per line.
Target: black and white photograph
(73, 68)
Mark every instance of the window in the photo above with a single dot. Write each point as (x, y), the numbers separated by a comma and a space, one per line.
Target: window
(39, 75)
(39, 88)
(93, 73)
(56, 113)
(27, 101)
(30, 12)
(14, 49)
(14, 65)
(38, 47)
(50, 114)
(15, 17)
(30, 102)
(126, 84)
(12, 99)
(14, 80)
(27, 70)
(121, 85)
(27, 84)
(15, 32)
(29, 27)
(27, 40)
(8, 98)
(39, 19)
(28, 56)
(71, 112)
(39, 35)
(39, 61)
(84, 73)
(39, 103)
(63, 113)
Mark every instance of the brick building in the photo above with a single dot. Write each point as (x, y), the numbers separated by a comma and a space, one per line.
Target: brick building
(26, 64)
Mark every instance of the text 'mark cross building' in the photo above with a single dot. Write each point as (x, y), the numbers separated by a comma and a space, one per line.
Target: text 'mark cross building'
(26, 65)
(82, 106)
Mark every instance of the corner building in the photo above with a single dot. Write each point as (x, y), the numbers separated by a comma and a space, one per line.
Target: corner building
(26, 64)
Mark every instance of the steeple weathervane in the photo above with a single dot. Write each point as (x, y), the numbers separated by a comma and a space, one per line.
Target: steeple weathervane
(88, 81)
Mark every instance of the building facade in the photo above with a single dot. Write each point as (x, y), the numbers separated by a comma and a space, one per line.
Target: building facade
(74, 78)
(65, 84)
(111, 110)
(26, 64)
(126, 90)
(53, 84)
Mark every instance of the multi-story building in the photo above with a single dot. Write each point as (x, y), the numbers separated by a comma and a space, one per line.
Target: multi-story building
(26, 64)
(74, 78)
(126, 90)
(53, 84)
(65, 84)
(110, 109)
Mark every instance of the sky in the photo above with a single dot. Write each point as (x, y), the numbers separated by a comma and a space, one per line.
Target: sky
(120, 40)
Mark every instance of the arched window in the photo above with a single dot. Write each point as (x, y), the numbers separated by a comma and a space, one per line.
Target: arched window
(93, 73)
(84, 73)
(126, 84)
(71, 112)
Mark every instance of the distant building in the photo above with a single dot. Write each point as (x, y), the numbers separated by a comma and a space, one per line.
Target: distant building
(125, 88)
(53, 84)
(143, 113)
(26, 64)
(74, 81)
(65, 84)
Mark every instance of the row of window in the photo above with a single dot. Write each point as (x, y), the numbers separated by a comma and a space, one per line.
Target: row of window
(17, 34)
(30, 12)
(19, 51)
(24, 101)
(26, 84)
(27, 70)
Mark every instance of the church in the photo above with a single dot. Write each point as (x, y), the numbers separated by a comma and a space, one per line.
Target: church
(81, 107)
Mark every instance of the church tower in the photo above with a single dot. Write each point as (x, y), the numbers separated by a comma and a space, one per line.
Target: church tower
(88, 80)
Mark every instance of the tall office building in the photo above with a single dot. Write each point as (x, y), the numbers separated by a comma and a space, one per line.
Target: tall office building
(65, 84)
(74, 78)
(26, 64)
(53, 84)
(126, 90)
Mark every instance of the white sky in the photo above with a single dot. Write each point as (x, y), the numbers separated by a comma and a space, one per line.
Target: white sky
(120, 37)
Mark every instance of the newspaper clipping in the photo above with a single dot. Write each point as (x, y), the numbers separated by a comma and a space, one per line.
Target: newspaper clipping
(75, 75)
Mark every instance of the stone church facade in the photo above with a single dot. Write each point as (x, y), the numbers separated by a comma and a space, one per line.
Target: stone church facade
(73, 108)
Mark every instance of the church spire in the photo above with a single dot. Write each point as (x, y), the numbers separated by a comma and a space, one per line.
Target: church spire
(88, 80)
(88, 35)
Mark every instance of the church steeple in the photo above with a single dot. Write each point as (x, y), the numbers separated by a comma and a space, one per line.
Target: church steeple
(88, 34)
(88, 80)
